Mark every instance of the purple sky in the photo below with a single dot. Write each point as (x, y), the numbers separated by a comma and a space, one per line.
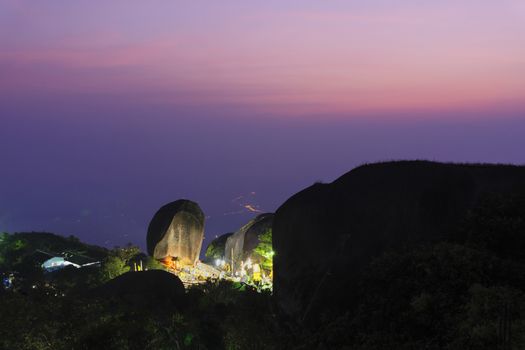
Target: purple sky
(110, 109)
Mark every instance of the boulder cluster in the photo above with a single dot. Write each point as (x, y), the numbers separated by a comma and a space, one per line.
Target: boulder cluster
(176, 233)
(240, 246)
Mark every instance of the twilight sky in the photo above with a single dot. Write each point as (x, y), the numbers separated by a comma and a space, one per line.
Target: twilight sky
(110, 109)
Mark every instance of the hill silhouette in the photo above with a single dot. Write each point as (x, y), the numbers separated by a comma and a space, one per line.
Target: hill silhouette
(326, 235)
(25, 251)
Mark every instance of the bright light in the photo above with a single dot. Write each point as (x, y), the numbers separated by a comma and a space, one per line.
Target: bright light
(218, 262)
(248, 263)
(272, 253)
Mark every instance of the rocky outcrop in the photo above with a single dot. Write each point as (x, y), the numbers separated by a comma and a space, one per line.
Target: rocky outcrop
(177, 231)
(154, 289)
(325, 235)
(240, 245)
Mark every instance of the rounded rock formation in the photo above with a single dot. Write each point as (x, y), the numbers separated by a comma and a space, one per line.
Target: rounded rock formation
(326, 235)
(154, 289)
(177, 231)
(241, 244)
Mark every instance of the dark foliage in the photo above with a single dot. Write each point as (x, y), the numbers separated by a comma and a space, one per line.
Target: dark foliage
(214, 316)
(215, 249)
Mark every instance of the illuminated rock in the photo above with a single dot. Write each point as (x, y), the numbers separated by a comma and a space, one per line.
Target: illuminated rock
(241, 244)
(326, 235)
(177, 231)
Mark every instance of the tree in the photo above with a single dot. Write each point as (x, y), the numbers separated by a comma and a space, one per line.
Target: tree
(113, 267)
(265, 250)
(126, 253)
(497, 224)
(215, 249)
(153, 264)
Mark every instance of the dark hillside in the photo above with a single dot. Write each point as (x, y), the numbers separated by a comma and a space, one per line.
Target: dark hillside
(325, 235)
(23, 247)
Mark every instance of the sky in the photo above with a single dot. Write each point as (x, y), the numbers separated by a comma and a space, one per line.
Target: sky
(110, 109)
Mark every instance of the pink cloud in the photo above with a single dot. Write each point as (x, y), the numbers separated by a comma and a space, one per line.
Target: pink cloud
(295, 62)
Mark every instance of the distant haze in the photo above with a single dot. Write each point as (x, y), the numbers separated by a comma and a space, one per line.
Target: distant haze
(110, 109)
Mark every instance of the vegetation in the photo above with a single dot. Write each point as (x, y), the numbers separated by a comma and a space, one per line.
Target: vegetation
(22, 254)
(264, 250)
(466, 291)
(216, 316)
(215, 249)
(119, 261)
(113, 267)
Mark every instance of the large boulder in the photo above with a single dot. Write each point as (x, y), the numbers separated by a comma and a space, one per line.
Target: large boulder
(241, 244)
(325, 235)
(153, 289)
(177, 231)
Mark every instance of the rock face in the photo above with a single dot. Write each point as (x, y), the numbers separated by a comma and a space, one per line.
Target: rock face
(240, 245)
(325, 235)
(149, 289)
(177, 231)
